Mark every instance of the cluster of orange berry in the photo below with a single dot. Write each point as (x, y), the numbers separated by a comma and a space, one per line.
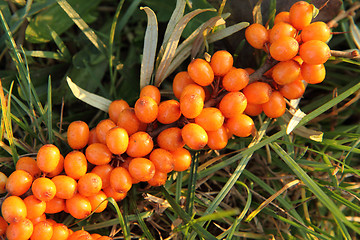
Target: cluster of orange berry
(301, 49)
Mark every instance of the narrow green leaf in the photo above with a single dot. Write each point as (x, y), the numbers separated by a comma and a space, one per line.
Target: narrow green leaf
(149, 51)
(192, 184)
(45, 54)
(49, 113)
(60, 44)
(127, 235)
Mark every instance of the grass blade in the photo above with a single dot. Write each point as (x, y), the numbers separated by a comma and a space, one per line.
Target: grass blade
(49, 113)
(192, 184)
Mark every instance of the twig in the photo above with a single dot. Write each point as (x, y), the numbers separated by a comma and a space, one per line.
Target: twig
(343, 14)
(344, 54)
(258, 74)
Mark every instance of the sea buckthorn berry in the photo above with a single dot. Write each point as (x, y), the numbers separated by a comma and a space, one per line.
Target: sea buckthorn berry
(253, 109)
(146, 109)
(162, 159)
(3, 180)
(105, 238)
(95, 235)
(170, 139)
(13, 209)
(195, 137)
(97, 202)
(194, 88)
(217, 139)
(316, 31)
(80, 235)
(276, 105)
(235, 80)
(48, 158)
(89, 184)
(169, 111)
(257, 92)
(42, 231)
(120, 179)
(182, 159)
(117, 140)
(201, 72)
(256, 35)
(44, 189)
(128, 120)
(301, 14)
(241, 125)
(286, 72)
(60, 232)
(18, 182)
(281, 29)
(140, 144)
(191, 105)
(38, 219)
(313, 73)
(3, 226)
(151, 91)
(284, 49)
(78, 134)
(221, 62)
(20, 230)
(34, 207)
(314, 52)
(59, 168)
(103, 171)
(142, 169)
(55, 205)
(158, 179)
(66, 186)
(293, 90)
(232, 103)
(102, 128)
(75, 164)
(78, 206)
(181, 80)
(249, 70)
(282, 17)
(117, 196)
(210, 119)
(29, 165)
(92, 137)
(115, 109)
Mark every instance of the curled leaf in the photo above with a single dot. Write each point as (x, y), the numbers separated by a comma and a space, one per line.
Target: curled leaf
(257, 12)
(149, 51)
(355, 32)
(88, 97)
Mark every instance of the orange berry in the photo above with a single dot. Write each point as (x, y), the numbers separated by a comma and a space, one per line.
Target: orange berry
(13, 209)
(282, 17)
(281, 29)
(117, 196)
(256, 35)
(78, 206)
(18, 182)
(104, 238)
(284, 48)
(55, 205)
(59, 168)
(191, 105)
(235, 80)
(92, 137)
(34, 207)
(293, 90)
(194, 136)
(301, 14)
(158, 179)
(48, 158)
(75, 164)
(120, 179)
(194, 88)
(313, 73)
(181, 80)
(249, 70)
(80, 235)
(38, 219)
(97, 202)
(89, 184)
(115, 109)
(117, 140)
(78, 134)
(103, 171)
(42, 231)
(162, 159)
(44, 189)
(210, 119)
(286, 72)
(95, 236)
(102, 128)
(276, 105)
(253, 109)
(316, 31)
(20, 230)
(221, 62)
(182, 159)
(128, 120)
(314, 52)
(169, 111)
(218, 139)
(60, 232)
(232, 103)
(201, 72)
(170, 139)
(66, 186)
(3, 226)
(257, 92)
(241, 125)
(141, 169)
(140, 144)
(146, 109)
(151, 91)
(29, 165)
(3, 180)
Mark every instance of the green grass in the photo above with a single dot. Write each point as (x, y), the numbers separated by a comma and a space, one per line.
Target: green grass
(270, 186)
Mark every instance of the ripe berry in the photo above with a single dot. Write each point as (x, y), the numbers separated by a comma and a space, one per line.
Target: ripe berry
(286, 72)
(102, 128)
(281, 29)
(60, 232)
(78, 134)
(13, 209)
(257, 92)
(218, 139)
(235, 80)
(42, 231)
(301, 14)
(282, 17)
(117, 140)
(162, 159)
(55, 205)
(210, 119)
(170, 139)
(140, 144)
(117, 196)
(182, 159)
(128, 120)
(241, 125)
(66, 186)
(158, 179)
(3, 226)
(103, 171)
(146, 109)
(194, 88)
(232, 104)
(20, 230)
(195, 137)
(276, 105)
(97, 202)
(44, 189)
(151, 91)
(293, 90)
(29, 165)
(221, 62)
(201, 72)
(59, 168)
(253, 109)
(142, 169)
(120, 179)
(191, 105)
(75, 164)
(18, 182)
(314, 52)
(313, 73)
(35, 207)
(169, 111)
(284, 48)
(89, 184)
(78, 206)
(48, 158)
(181, 80)
(256, 35)
(115, 109)
(316, 31)
(92, 137)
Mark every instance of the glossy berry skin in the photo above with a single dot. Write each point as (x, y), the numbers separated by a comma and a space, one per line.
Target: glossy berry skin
(3, 226)
(29, 165)
(181, 80)
(117, 196)
(78, 206)
(158, 179)
(253, 109)
(146, 109)
(42, 231)
(286, 72)
(78, 134)
(313, 73)
(80, 235)
(162, 160)
(35, 207)
(221, 62)
(60, 232)
(293, 90)
(194, 89)
(169, 111)
(128, 120)
(233, 103)
(141, 169)
(201, 72)
(44, 189)
(66, 186)
(256, 35)
(284, 48)
(18, 182)
(257, 92)
(99, 153)
(194, 136)
(210, 119)
(301, 14)
(75, 164)
(140, 144)
(97, 201)
(13, 209)
(182, 159)
(48, 158)
(151, 91)
(170, 139)
(314, 52)
(280, 30)
(218, 139)
(316, 31)
(58, 169)
(276, 105)
(20, 230)
(55, 205)
(191, 105)
(235, 80)
(120, 179)
(115, 108)
(103, 171)
(282, 17)
(117, 140)
(102, 128)
(89, 184)
(241, 125)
